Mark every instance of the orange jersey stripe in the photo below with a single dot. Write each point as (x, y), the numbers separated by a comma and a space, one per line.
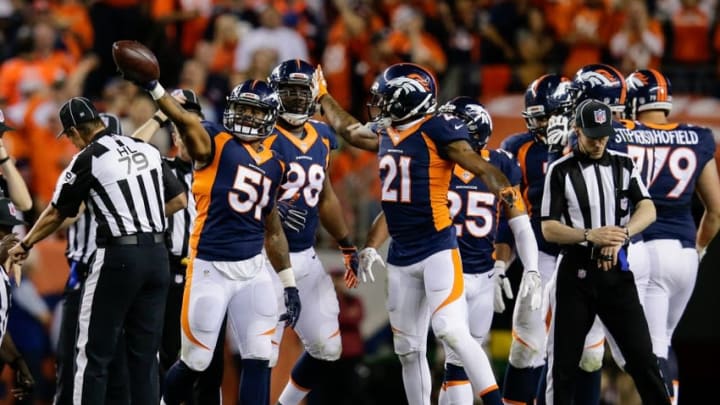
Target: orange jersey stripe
(522, 159)
(185, 312)
(489, 389)
(203, 181)
(458, 281)
(439, 174)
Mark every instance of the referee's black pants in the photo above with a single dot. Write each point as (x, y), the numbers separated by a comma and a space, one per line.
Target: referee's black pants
(582, 291)
(118, 391)
(207, 386)
(126, 289)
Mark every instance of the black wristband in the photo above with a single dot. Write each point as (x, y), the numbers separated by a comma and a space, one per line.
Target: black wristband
(5, 159)
(345, 242)
(159, 121)
(25, 247)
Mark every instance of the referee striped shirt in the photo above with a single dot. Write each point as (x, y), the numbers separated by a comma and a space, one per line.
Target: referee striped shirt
(5, 300)
(180, 223)
(81, 238)
(590, 193)
(121, 178)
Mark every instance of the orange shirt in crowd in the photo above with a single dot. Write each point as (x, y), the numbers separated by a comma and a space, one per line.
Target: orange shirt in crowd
(48, 155)
(79, 35)
(18, 73)
(340, 50)
(691, 35)
(593, 22)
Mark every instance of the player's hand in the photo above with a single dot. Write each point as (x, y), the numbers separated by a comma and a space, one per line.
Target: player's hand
(531, 286)
(292, 307)
(558, 132)
(368, 257)
(608, 257)
(502, 285)
(292, 218)
(24, 381)
(320, 83)
(352, 262)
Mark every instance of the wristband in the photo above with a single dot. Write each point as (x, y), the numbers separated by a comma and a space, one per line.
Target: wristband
(160, 122)
(287, 277)
(345, 243)
(5, 159)
(157, 91)
(25, 247)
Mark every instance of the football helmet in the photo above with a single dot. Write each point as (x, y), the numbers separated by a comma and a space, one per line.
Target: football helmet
(474, 115)
(251, 110)
(294, 83)
(603, 83)
(648, 89)
(403, 92)
(547, 95)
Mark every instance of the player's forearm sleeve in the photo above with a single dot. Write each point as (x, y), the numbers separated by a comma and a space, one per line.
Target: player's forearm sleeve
(525, 243)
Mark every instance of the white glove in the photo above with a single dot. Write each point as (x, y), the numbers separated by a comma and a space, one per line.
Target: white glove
(558, 131)
(368, 256)
(502, 284)
(531, 286)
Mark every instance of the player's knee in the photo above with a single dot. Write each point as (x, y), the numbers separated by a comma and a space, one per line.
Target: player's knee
(197, 359)
(404, 344)
(411, 358)
(450, 332)
(591, 359)
(328, 350)
(522, 355)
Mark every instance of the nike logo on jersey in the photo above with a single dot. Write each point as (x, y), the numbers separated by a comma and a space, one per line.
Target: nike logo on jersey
(458, 126)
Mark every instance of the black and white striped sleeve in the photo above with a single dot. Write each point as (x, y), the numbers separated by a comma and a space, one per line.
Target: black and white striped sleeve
(172, 185)
(73, 185)
(553, 201)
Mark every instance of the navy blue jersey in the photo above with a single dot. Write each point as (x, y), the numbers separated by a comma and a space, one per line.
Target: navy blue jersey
(233, 194)
(670, 158)
(532, 156)
(476, 211)
(415, 176)
(307, 161)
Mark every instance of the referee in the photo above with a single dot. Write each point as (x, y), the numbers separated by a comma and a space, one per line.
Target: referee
(121, 178)
(586, 207)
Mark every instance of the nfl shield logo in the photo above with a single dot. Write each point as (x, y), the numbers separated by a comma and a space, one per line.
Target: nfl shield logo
(600, 116)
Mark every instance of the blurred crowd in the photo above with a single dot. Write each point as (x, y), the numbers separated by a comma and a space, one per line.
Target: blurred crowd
(51, 50)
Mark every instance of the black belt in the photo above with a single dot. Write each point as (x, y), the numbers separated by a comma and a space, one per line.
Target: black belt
(582, 252)
(136, 239)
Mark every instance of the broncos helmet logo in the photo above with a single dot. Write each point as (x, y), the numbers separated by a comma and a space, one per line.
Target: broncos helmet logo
(477, 111)
(600, 77)
(637, 80)
(409, 84)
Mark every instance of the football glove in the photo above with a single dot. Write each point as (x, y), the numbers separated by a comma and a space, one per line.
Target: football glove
(291, 217)
(292, 307)
(531, 286)
(24, 381)
(350, 257)
(368, 257)
(558, 132)
(320, 83)
(502, 285)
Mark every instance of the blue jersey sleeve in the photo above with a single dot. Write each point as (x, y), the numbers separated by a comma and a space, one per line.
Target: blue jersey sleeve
(325, 131)
(445, 129)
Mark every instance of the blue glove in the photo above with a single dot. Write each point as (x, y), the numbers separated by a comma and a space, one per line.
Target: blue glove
(292, 307)
(292, 218)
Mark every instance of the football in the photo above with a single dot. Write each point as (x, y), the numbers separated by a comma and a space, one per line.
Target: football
(135, 61)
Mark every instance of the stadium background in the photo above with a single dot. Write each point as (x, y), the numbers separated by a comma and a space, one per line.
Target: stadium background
(489, 49)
